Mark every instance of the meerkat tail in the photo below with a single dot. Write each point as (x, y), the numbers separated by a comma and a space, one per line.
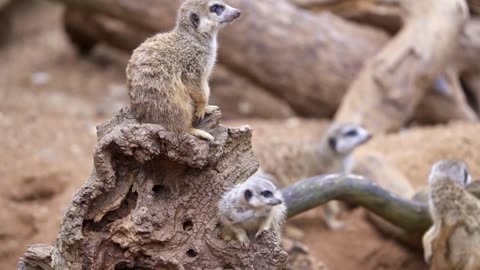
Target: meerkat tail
(201, 134)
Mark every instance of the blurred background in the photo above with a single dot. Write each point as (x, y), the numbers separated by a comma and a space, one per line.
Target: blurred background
(287, 68)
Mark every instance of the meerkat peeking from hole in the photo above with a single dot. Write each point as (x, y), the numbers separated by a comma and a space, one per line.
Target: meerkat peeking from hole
(453, 242)
(249, 209)
(167, 75)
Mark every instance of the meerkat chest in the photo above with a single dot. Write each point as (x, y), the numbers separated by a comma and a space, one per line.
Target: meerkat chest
(212, 56)
(255, 219)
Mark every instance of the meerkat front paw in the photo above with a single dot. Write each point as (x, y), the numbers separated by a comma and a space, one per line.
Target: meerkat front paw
(200, 113)
(202, 134)
(244, 241)
(211, 109)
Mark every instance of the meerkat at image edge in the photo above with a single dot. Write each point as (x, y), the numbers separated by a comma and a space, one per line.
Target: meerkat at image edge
(167, 75)
(250, 208)
(453, 242)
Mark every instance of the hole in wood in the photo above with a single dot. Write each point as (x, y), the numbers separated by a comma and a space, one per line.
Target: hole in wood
(191, 253)
(188, 225)
(161, 191)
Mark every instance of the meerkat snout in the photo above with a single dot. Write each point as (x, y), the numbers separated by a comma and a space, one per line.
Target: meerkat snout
(344, 138)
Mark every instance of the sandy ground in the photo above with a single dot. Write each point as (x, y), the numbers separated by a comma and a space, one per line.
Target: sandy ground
(51, 100)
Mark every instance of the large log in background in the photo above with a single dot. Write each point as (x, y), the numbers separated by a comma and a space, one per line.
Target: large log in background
(388, 90)
(454, 100)
(243, 96)
(236, 95)
(304, 59)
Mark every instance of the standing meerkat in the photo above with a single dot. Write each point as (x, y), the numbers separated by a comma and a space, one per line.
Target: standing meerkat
(250, 208)
(290, 163)
(167, 75)
(453, 242)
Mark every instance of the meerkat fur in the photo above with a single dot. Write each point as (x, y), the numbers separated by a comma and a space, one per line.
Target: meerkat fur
(249, 209)
(453, 242)
(167, 75)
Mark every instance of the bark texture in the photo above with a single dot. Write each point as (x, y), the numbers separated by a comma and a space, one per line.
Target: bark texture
(274, 45)
(392, 84)
(151, 201)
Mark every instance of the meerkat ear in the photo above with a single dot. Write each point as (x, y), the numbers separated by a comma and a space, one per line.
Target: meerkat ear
(248, 194)
(195, 19)
(333, 143)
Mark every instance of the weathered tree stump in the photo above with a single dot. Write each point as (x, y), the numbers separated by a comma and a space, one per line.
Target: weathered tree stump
(151, 201)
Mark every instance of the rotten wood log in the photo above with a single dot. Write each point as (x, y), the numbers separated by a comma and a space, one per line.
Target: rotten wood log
(392, 84)
(308, 67)
(236, 95)
(151, 202)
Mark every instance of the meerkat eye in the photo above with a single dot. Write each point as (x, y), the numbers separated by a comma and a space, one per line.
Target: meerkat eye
(352, 133)
(248, 194)
(218, 9)
(267, 194)
(195, 19)
(333, 143)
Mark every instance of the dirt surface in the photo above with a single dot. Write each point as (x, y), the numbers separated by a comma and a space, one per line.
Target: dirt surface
(51, 100)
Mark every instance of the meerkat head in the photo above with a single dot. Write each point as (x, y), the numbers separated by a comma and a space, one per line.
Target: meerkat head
(344, 138)
(259, 193)
(205, 17)
(450, 170)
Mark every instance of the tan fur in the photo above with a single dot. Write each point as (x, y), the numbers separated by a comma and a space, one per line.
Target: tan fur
(167, 75)
(453, 242)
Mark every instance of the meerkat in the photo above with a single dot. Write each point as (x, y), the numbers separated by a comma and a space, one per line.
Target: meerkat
(167, 75)
(332, 154)
(250, 208)
(453, 242)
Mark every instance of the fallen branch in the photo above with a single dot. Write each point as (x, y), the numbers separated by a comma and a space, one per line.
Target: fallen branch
(310, 193)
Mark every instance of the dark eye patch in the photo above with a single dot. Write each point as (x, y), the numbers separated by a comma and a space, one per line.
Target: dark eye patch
(248, 194)
(195, 19)
(352, 133)
(333, 143)
(267, 194)
(465, 177)
(218, 9)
